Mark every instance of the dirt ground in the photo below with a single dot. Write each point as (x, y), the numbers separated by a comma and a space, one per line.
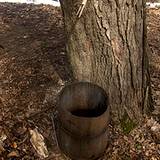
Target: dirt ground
(153, 27)
(34, 67)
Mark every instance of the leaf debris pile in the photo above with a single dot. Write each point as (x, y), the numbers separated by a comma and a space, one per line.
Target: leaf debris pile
(33, 67)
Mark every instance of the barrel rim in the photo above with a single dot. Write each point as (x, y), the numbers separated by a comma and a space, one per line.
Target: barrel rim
(85, 118)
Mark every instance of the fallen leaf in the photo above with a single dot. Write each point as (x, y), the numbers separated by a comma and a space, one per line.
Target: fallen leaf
(37, 142)
(3, 137)
(14, 145)
(13, 154)
(1, 149)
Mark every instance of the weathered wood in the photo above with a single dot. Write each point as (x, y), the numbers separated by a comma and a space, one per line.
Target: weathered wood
(106, 46)
(82, 121)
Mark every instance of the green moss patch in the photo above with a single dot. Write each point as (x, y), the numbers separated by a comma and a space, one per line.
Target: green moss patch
(127, 125)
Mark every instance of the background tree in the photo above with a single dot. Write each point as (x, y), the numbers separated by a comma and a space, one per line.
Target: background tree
(107, 46)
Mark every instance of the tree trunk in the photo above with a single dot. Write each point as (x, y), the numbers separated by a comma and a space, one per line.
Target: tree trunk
(106, 46)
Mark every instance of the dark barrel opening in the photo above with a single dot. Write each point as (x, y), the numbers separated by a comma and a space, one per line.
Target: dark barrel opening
(90, 111)
(84, 99)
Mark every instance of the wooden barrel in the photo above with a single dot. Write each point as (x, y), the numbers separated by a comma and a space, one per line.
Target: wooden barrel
(82, 121)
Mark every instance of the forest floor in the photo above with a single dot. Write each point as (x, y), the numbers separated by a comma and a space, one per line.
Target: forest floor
(33, 69)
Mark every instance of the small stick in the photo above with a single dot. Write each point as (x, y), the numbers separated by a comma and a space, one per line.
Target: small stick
(81, 8)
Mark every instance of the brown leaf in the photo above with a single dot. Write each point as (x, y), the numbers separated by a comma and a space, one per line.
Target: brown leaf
(13, 154)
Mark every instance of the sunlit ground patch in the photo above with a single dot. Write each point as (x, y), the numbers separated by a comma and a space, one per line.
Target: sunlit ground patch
(50, 2)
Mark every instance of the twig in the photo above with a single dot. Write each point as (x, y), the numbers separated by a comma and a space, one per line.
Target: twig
(81, 8)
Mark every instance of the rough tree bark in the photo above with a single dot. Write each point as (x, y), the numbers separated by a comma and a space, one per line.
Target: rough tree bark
(106, 45)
